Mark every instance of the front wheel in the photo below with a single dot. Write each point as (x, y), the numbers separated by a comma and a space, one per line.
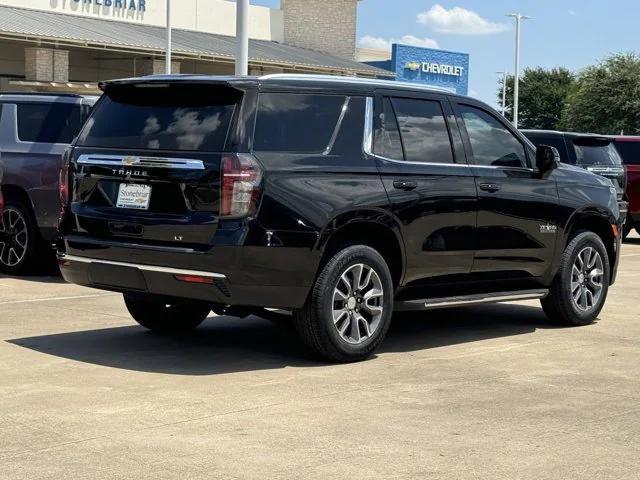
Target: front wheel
(166, 316)
(581, 285)
(349, 309)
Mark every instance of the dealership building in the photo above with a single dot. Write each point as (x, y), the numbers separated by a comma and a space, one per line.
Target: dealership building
(70, 45)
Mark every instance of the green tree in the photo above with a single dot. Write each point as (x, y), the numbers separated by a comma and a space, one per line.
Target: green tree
(606, 99)
(543, 94)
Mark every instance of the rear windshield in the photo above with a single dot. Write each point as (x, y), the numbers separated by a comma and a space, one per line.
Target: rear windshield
(193, 117)
(630, 152)
(596, 152)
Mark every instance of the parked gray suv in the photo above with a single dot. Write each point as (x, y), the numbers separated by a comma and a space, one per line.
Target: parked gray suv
(35, 129)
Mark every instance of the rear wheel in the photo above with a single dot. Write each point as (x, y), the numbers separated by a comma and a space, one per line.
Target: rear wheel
(19, 239)
(166, 316)
(581, 285)
(349, 310)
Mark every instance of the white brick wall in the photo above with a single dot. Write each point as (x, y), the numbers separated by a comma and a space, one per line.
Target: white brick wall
(61, 66)
(324, 25)
(46, 64)
(156, 67)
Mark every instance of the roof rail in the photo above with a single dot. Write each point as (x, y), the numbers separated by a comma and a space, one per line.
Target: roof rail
(356, 80)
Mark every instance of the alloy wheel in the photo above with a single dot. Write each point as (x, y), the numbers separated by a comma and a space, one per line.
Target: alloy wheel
(587, 276)
(358, 303)
(14, 237)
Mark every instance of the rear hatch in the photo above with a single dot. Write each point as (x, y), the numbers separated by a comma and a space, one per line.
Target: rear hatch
(146, 166)
(598, 155)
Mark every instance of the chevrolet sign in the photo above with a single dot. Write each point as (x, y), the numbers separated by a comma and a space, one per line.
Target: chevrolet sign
(436, 68)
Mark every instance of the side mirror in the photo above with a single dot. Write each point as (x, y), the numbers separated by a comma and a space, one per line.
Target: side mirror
(547, 158)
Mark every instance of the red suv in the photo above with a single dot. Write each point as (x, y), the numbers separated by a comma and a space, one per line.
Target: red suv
(629, 149)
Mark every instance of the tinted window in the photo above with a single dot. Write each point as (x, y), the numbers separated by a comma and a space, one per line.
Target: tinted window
(556, 141)
(351, 133)
(48, 122)
(167, 118)
(491, 142)
(596, 152)
(630, 152)
(387, 136)
(296, 123)
(423, 130)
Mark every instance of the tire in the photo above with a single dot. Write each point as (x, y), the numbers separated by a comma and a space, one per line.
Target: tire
(159, 315)
(560, 305)
(363, 314)
(21, 245)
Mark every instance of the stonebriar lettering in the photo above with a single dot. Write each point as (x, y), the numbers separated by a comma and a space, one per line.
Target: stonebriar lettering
(139, 5)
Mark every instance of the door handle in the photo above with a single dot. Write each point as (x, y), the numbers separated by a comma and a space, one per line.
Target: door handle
(405, 185)
(490, 187)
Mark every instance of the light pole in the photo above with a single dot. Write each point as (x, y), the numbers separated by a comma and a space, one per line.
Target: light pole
(504, 91)
(242, 37)
(516, 77)
(167, 68)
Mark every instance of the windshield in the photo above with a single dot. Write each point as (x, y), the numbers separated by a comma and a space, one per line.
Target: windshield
(164, 118)
(596, 153)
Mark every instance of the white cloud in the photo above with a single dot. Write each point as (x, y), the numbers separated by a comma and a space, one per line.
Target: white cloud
(380, 43)
(459, 21)
(573, 13)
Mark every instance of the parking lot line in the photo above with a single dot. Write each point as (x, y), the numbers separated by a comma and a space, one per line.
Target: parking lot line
(51, 299)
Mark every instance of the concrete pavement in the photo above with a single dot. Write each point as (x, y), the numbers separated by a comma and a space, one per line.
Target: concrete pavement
(491, 392)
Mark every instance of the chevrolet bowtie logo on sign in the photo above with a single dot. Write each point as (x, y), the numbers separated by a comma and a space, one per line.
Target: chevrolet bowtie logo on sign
(413, 66)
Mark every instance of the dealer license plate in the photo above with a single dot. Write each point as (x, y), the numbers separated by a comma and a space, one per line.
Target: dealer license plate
(131, 195)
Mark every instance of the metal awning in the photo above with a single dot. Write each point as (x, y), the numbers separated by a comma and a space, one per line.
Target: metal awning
(71, 30)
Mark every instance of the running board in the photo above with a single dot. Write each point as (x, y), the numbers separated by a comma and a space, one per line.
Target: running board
(475, 299)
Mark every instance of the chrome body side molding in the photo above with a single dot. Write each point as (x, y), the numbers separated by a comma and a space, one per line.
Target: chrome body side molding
(146, 268)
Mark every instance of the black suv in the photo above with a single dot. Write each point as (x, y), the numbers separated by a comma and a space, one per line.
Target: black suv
(340, 200)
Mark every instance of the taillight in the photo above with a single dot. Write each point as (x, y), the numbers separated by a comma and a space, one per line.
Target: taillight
(241, 177)
(1, 204)
(64, 179)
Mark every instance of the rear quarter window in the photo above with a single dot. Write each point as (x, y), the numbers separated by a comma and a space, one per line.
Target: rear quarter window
(48, 122)
(297, 123)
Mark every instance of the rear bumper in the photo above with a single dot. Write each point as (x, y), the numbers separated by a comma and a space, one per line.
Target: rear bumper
(168, 281)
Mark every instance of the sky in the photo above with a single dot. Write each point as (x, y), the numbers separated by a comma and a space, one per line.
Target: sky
(569, 33)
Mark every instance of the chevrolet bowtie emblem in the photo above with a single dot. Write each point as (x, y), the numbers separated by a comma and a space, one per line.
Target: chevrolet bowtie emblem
(129, 160)
(413, 66)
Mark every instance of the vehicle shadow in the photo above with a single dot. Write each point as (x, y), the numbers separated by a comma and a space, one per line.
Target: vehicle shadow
(227, 345)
